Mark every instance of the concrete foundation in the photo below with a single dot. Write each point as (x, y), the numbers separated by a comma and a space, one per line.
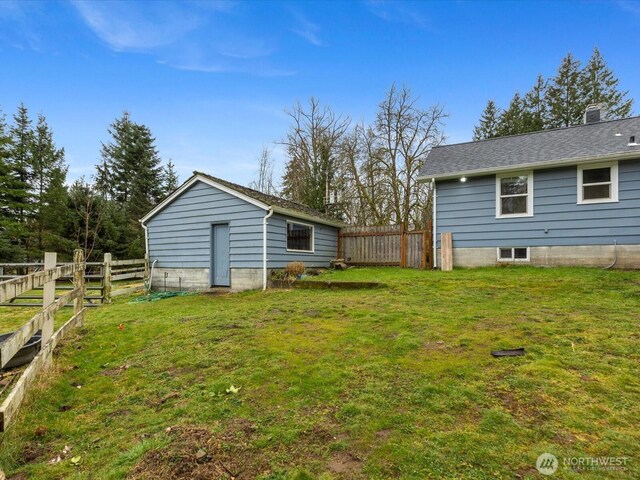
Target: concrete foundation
(626, 256)
(198, 279)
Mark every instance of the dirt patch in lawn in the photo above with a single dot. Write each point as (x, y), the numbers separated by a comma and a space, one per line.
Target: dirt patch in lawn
(197, 453)
(346, 464)
(238, 451)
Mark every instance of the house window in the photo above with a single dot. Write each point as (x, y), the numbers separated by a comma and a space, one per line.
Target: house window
(514, 195)
(299, 237)
(513, 254)
(598, 183)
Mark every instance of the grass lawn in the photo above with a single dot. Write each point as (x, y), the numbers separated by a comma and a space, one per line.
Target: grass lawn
(394, 382)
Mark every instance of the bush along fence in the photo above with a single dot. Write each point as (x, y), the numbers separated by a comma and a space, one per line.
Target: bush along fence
(43, 320)
(391, 245)
(103, 280)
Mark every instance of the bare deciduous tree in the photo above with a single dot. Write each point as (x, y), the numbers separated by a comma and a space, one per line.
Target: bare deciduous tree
(313, 146)
(264, 182)
(373, 168)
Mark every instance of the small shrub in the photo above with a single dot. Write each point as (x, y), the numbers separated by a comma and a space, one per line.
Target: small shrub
(312, 272)
(277, 274)
(294, 269)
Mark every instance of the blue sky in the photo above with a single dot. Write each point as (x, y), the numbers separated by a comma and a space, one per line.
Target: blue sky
(212, 79)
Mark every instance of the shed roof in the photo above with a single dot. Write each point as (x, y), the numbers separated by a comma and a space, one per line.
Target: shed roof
(582, 143)
(262, 200)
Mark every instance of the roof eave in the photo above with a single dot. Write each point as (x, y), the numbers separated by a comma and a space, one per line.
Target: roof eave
(202, 178)
(205, 179)
(304, 216)
(529, 166)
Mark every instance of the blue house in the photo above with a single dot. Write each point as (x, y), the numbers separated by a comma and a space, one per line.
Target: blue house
(214, 233)
(569, 196)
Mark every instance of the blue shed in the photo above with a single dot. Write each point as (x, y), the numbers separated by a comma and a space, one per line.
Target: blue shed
(569, 196)
(214, 233)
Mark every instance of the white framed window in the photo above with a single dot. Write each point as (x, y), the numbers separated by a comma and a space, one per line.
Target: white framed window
(300, 237)
(598, 183)
(514, 195)
(513, 254)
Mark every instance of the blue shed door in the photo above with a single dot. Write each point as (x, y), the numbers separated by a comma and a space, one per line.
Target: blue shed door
(220, 256)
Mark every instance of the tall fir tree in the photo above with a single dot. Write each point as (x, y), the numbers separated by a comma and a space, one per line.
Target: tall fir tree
(535, 116)
(598, 84)
(131, 176)
(512, 120)
(564, 96)
(21, 163)
(10, 190)
(170, 177)
(488, 125)
(48, 191)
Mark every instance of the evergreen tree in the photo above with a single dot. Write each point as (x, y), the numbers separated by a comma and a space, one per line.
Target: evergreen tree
(512, 120)
(535, 117)
(21, 165)
(598, 84)
(170, 178)
(564, 97)
(10, 228)
(131, 176)
(48, 191)
(488, 125)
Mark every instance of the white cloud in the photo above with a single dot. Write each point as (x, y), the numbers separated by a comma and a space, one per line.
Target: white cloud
(125, 26)
(195, 36)
(397, 12)
(307, 29)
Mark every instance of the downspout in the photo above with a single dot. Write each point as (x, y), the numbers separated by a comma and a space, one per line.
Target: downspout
(434, 219)
(146, 254)
(146, 239)
(264, 248)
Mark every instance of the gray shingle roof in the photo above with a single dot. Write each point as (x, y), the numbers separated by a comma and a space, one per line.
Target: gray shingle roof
(583, 142)
(273, 201)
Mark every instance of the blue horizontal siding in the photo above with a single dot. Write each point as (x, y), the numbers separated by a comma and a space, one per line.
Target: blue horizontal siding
(180, 234)
(325, 244)
(468, 210)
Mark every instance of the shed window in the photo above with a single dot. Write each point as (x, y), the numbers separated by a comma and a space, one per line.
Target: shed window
(598, 183)
(299, 237)
(514, 195)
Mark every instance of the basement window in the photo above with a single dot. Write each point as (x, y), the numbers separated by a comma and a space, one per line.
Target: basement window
(514, 195)
(598, 183)
(513, 254)
(299, 237)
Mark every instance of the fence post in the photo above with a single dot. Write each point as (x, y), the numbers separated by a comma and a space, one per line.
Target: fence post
(403, 247)
(446, 248)
(78, 282)
(425, 250)
(48, 297)
(106, 278)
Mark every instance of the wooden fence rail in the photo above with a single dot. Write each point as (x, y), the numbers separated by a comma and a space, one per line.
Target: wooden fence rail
(390, 245)
(28, 278)
(43, 320)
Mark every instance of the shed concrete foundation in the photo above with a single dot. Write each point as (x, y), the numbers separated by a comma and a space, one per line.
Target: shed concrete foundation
(194, 279)
(626, 256)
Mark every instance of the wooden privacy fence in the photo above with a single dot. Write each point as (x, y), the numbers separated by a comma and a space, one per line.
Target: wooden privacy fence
(390, 245)
(43, 320)
(99, 278)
